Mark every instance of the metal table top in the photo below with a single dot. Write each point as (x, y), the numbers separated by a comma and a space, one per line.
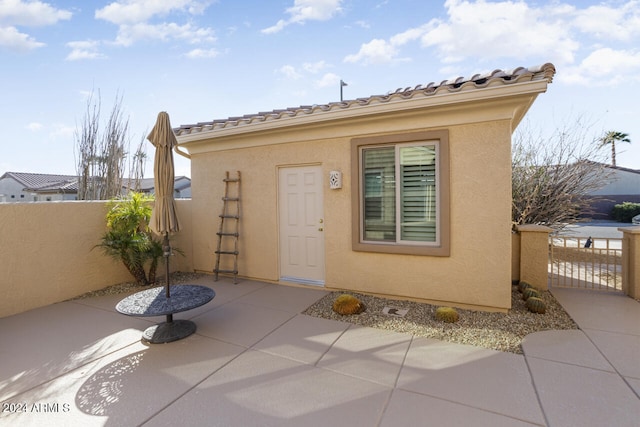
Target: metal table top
(153, 302)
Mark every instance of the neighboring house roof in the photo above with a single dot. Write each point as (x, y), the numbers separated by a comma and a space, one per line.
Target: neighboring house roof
(620, 168)
(67, 187)
(40, 180)
(46, 183)
(147, 185)
(432, 90)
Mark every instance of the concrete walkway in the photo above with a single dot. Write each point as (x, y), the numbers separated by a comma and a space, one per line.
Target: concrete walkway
(256, 361)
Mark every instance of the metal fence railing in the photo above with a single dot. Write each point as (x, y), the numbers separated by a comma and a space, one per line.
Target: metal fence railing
(587, 263)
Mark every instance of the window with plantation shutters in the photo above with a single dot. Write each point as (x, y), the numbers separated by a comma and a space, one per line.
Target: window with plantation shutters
(401, 199)
(417, 193)
(400, 193)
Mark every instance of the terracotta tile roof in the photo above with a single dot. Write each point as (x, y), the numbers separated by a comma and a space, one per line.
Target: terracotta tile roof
(475, 82)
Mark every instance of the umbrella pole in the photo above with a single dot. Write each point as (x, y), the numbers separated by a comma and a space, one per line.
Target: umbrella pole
(166, 249)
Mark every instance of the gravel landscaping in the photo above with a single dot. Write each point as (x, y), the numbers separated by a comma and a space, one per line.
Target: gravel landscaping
(497, 331)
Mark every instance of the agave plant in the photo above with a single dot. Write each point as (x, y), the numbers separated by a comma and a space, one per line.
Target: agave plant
(129, 239)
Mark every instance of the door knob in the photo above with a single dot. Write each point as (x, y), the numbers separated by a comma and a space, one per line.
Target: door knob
(320, 229)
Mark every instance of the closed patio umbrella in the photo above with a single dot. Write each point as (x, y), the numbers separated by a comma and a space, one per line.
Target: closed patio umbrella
(164, 220)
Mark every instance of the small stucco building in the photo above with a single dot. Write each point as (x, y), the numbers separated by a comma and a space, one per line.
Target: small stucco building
(406, 194)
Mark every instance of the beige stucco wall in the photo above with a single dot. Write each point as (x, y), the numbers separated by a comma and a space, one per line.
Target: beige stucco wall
(478, 272)
(534, 255)
(47, 252)
(631, 261)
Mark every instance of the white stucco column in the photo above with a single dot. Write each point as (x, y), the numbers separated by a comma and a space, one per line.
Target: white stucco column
(534, 255)
(631, 261)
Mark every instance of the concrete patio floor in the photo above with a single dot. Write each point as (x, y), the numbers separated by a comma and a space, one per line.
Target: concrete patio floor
(256, 361)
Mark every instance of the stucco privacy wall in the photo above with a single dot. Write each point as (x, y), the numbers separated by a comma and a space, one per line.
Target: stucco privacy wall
(478, 271)
(47, 253)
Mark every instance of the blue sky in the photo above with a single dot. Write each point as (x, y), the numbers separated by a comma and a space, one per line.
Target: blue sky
(201, 60)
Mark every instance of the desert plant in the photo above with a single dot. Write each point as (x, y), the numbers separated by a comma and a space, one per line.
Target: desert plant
(347, 304)
(536, 305)
(447, 314)
(129, 239)
(529, 293)
(522, 286)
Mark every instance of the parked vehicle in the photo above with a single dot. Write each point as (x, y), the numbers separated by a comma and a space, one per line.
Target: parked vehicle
(636, 220)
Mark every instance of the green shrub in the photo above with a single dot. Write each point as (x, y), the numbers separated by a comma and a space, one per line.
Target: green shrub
(536, 305)
(129, 239)
(625, 211)
(447, 314)
(347, 304)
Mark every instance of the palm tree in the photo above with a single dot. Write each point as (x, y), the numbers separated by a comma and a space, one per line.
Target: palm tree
(610, 138)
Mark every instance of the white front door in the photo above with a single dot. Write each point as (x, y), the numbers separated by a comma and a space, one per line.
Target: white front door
(301, 224)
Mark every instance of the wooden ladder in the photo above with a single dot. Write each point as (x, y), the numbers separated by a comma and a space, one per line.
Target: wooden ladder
(229, 222)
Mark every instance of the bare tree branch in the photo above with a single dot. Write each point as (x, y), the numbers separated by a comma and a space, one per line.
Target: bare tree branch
(552, 178)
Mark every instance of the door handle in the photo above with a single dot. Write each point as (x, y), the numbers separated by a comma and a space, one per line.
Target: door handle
(320, 229)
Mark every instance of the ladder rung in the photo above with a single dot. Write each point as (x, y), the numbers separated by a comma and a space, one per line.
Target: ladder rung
(231, 199)
(231, 180)
(230, 216)
(227, 252)
(228, 234)
(216, 270)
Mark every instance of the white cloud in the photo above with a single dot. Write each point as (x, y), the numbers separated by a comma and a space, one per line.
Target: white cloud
(328, 80)
(134, 11)
(34, 126)
(18, 13)
(129, 34)
(275, 28)
(377, 51)
(13, 39)
(610, 23)
(136, 21)
(307, 10)
(500, 30)
(62, 131)
(314, 67)
(289, 71)
(484, 30)
(202, 53)
(604, 67)
(87, 49)
(30, 13)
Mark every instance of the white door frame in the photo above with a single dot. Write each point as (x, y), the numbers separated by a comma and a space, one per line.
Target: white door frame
(301, 224)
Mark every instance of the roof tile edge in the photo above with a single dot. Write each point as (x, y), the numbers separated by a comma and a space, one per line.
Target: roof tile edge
(478, 81)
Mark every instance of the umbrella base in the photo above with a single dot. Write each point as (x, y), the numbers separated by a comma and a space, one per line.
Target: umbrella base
(168, 331)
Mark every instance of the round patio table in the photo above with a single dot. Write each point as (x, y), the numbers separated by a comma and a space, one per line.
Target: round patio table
(154, 302)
